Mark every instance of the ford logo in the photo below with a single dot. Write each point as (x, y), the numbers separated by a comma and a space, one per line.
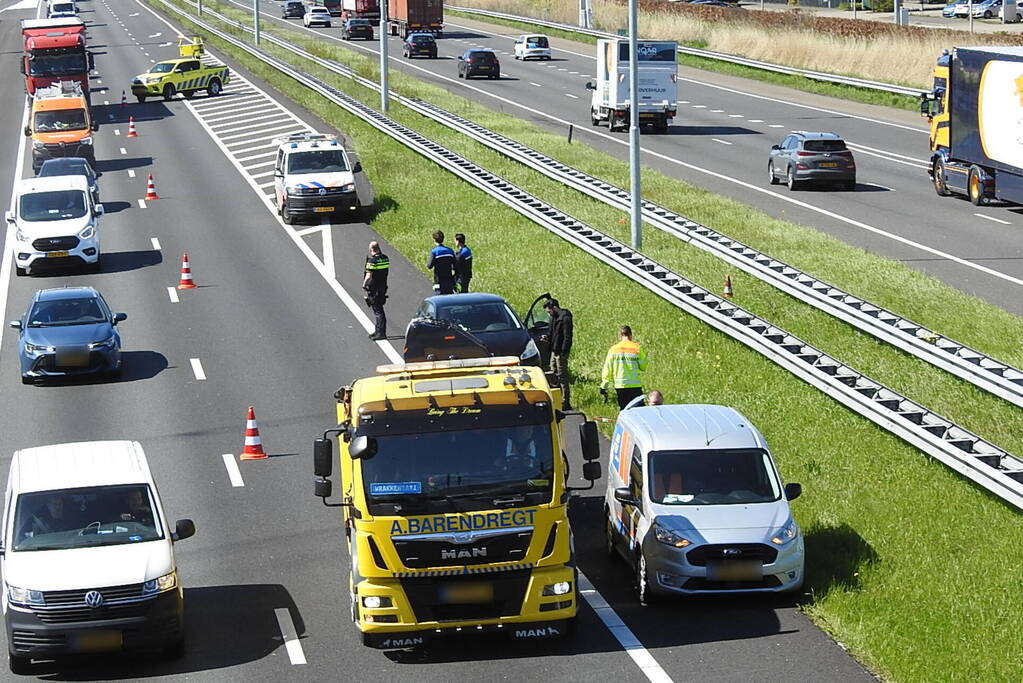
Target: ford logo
(54, 241)
(94, 599)
(731, 552)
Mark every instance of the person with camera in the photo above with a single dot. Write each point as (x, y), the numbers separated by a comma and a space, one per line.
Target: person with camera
(375, 285)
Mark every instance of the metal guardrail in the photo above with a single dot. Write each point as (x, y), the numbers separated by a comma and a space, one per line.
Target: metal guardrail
(975, 458)
(709, 54)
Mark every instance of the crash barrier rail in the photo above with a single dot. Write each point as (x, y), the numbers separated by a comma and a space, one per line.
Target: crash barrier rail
(991, 467)
(708, 54)
(969, 364)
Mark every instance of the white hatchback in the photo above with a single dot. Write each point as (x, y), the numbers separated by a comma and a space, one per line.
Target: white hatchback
(532, 46)
(316, 15)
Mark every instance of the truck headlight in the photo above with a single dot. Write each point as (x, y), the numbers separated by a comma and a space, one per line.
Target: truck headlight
(160, 585)
(36, 348)
(153, 79)
(669, 537)
(24, 596)
(375, 601)
(38, 145)
(530, 351)
(559, 588)
(87, 233)
(786, 534)
(109, 341)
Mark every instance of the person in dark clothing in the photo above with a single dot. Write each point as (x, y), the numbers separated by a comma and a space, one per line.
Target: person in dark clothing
(375, 285)
(561, 346)
(442, 263)
(463, 264)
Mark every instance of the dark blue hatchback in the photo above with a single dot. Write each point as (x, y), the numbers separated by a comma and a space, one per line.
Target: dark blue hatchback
(489, 319)
(68, 331)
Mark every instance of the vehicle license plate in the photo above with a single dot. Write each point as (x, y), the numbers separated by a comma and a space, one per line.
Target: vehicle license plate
(56, 254)
(735, 570)
(98, 641)
(323, 209)
(467, 593)
(829, 164)
(72, 358)
(484, 68)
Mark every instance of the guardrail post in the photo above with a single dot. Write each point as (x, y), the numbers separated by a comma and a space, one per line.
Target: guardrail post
(199, 7)
(385, 95)
(570, 127)
(637, 207)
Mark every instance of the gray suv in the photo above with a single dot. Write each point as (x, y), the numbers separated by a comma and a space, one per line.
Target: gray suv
(812, 158)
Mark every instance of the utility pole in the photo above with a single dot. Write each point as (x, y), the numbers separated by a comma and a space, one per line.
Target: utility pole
(199, 4)
(255, 21)
(969, 7)
(637, 225)
(385, 95)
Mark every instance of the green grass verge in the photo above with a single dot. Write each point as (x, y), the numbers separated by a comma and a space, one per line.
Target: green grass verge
(845, 92)
(907, 560)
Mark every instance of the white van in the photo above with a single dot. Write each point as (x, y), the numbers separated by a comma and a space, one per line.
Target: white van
(56, 223)
(532, 46)
(695, 504)
(88, 554)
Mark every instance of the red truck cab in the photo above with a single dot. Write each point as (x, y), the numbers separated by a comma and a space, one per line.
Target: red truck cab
(54, 50)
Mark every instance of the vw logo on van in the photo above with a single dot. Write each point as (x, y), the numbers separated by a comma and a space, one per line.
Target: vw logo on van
(94, 599)
(323, 191)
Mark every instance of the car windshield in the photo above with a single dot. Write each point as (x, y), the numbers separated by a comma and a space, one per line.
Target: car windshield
(60, 120)
(824, 145)
(537, 41)
(423, 38)
(55, 167)
(454, 467)
(85, 517)
(60, 7)
(162, 68)
(63, 312)
(57, 205)
(317, 161)
(712, 477)
(488, 317)
(56, 65)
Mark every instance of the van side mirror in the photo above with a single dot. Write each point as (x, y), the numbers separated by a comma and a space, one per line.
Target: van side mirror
(98, 210)
(16, 324)
(589, 440)
(183, 528)
(9, 216)
(28, 131)
(362, 447)
(95, 125)
(793, 491)
(591, 471)
(624, 496)
(775, 147)
(323, 457)
(590, 85)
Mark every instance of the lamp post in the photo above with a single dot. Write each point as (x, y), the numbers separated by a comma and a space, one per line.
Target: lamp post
(255, 22)
(636, 208)
(385, 95)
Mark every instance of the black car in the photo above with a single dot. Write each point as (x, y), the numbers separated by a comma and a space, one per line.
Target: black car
(479, 63)
(292, 10)
(804, 157)
(357, 28)
(419, 44)
(71, 166)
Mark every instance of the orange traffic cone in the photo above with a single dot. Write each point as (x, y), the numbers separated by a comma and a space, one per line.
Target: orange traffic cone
(124, 99)
(131, 129)
(151, 188)
(253, 444)
(728, 286)
(186, 274)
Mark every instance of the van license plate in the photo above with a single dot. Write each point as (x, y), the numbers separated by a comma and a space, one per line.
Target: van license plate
(97, 641)
(323, 209)
(56, 254)
(735, 570)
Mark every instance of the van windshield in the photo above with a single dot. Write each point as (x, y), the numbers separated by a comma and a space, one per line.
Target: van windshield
(58, 205)
(712, 477)
(319, 161)
(85, 518)
(60, 120)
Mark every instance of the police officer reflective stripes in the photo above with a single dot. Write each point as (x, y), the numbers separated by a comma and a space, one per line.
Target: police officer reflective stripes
(375, 285)
(463, 264)
(442, 262)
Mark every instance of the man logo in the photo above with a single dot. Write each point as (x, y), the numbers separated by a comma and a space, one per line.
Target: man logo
(94, 599)
(401, 642)
(463, 553)
(546, 632)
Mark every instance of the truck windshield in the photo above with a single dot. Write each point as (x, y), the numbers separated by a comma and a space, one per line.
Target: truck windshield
(57, 205)
(461, 469)
(56, 65)
(85, 517)
(319, 161)
(162, 68)
(712, 477)
(60, 120)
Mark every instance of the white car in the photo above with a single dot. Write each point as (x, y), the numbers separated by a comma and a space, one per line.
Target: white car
(532, 46)
(316, 15)
(62, 9)
(313, 177)
(56, 223)
(88, 554)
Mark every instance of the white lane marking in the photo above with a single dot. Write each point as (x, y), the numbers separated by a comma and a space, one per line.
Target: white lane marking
(308, 231)
(883, 155)
(291, 642)
(218, 105)
(717, 111)
(625, 637)
(263, 186)
(883, 187)
(328, 249)
(240, 148)
(117, 131)
(156, 35)
(233, 473)
(142, 203)
(574, 97)
(131, 172)
(536, 84)
(699, 106)
(992, 218)
(262, 155)
(200, 374)
(173, 294)
(124, 151)
(155, 242)
(756, 120)
(8, 252)
(735, 116)
(247, 111)
(683, 102)
(217, 126)
(775, 125)
(100, 81)
(723, 142)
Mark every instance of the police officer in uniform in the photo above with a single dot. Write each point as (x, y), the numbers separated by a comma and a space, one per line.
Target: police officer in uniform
(463, 264)
(375, 285)
(442, 263)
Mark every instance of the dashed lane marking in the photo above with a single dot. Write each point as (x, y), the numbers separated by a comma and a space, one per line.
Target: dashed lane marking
(131, 172)
(124, 151)
(142, 203)
(197, 370)
(292, 644)
(117, 131)
(574, 97)
(155, 242)
(992, 218)
(723, 142)
(536, 84)
(233, 473)
(173, 294)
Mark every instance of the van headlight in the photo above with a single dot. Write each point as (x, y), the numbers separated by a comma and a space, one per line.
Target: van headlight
(786, 534)
(85, 141)
(160, 585)
(348, 187)
(87, 233)
(24, 596)
(530, 350)
(38, 145)
(669, 537)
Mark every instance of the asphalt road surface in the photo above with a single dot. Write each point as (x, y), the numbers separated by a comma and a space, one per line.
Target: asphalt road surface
(277, 323)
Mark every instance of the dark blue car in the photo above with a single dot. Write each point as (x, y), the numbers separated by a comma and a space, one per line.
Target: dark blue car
(68, 331)
(489, 319)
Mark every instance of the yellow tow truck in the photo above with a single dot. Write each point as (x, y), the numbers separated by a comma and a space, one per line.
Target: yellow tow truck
(455, 499)
(186, 75)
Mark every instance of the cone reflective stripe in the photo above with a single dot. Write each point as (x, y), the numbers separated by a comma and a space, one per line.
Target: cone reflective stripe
(131, 130)
(253, 444)
(124, 99)
(728, 286)
(150, 188)
(186, 274)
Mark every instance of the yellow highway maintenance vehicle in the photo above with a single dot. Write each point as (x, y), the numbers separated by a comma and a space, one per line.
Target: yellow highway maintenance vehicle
(455, 498)
(186, 75)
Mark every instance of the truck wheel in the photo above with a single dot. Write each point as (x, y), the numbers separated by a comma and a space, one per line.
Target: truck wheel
(976, 188)
(168, 92)
(214, 88)
(938, 176)
(594, 121)
(770, 173)
(140, 98)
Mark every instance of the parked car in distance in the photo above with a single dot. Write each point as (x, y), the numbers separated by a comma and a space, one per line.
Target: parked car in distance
(72, 166)
(292, 10)
(986, 9)
(419, 44)
(1010, 20)
(357, 28)
(532, 46)
(950, 9)
(316, 15)
(479, 62)
(68, 331)
(805, 157)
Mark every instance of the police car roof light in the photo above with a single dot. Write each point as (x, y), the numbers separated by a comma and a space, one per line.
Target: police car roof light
(425, 366)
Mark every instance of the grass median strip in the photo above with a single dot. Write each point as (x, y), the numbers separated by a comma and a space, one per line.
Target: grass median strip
(889, 532)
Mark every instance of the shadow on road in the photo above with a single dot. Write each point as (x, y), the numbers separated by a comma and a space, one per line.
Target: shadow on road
(123, 261)
(115, 207)
(122, 164)
(710, 130)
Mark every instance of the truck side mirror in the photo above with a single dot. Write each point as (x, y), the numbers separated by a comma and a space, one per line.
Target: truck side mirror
(92, 61)
(624, 496)
(362, 447)
(591, 471)
(589, 440)
(95, 125)
(793, 491)
(323, 457)
(183, 528)
(925, 108)
(590, 85)
(28, 131)
(322, 488)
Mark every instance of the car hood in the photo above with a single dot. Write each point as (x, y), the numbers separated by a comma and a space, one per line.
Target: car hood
(307, 180)
(505, 342)
(70, 226)
(112, 565)
(68, 335)
(722, 523)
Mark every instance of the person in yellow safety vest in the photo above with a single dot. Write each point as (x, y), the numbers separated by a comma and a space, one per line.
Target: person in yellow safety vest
(622, 367)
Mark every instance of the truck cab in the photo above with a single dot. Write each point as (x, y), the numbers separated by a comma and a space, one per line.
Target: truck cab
(454, 492)
(313, 176)
(54, 50)
(61, 124)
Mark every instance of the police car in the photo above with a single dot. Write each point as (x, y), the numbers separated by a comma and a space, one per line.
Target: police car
(313, 176)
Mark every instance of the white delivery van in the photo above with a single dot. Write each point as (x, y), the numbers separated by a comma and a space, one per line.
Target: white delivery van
(88, 554)
(695, 504)
(657, 89)
(56, 224)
